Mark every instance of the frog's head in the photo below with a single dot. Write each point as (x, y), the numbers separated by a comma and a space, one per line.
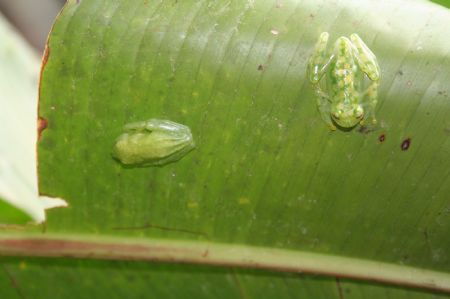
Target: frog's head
(347, 115)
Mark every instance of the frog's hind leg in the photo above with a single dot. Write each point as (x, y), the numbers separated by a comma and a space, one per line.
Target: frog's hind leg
(369, 65)
(319, 60)
(370, 102)
(365, 58)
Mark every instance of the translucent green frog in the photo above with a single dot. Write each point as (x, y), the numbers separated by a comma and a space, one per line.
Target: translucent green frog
(347, 95)
(154, 142)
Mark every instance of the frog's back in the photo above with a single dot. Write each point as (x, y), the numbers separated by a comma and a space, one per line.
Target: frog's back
(342, 72)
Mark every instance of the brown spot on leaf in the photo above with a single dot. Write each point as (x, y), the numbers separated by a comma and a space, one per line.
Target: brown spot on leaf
(382, 137)
(260, 67)
(442, 93)
(405, 144)
(365, 129)
(42, 125)
(45, 55)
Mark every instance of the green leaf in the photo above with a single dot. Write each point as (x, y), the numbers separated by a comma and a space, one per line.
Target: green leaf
(80, 279)
(11, 214)
(445, 3)
(266, 173)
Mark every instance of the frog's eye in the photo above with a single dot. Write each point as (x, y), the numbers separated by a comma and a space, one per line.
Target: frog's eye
(358, 112)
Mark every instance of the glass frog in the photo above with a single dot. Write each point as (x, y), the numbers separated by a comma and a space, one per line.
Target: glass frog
(154, 142)
(347, 94)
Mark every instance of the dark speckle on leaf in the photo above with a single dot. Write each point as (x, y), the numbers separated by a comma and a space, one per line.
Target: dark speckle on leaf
(405, 144)
(382, 138)
(42, 125)
(260, 67)
(365, 129)
(442, 93)
(400, 72)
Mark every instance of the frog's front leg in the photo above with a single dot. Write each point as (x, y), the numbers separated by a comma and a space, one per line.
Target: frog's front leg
(317, 66)
(324, 106)
(319, 60)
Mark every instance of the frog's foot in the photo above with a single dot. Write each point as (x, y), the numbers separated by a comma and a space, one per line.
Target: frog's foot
(368, 125)
(372, 122)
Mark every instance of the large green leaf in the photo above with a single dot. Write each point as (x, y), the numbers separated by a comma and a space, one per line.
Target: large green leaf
(82, 279)
(266, 171)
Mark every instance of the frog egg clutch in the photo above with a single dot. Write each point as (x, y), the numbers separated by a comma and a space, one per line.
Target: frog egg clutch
(153, 142)
(345, 81)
